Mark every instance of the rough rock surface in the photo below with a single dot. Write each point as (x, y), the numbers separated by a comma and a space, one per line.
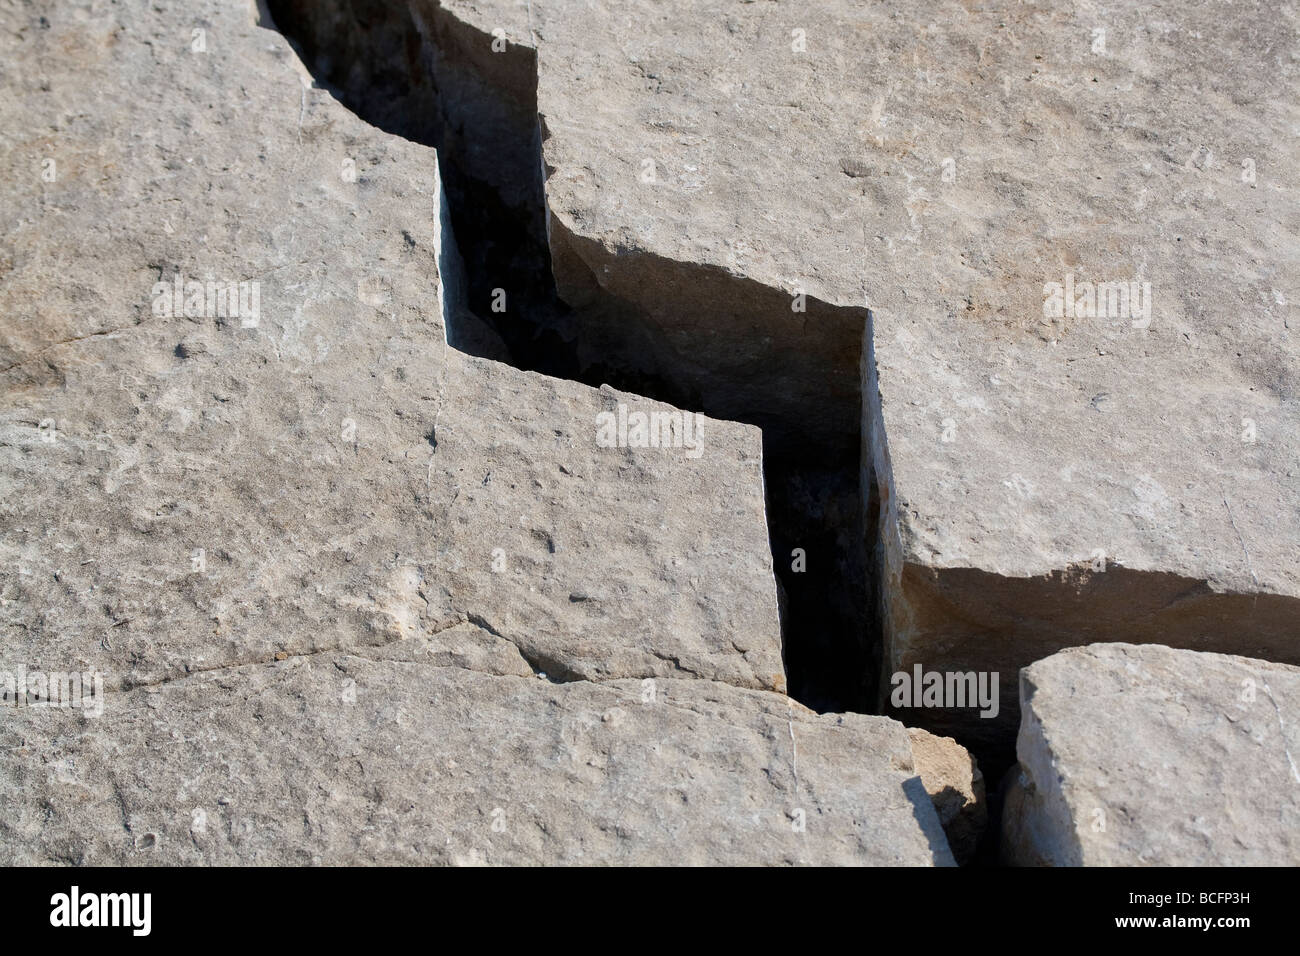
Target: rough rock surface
(398, 757)
(323, 561)
(1043, 481)
(955, 783)
(1145, 755)
(337, 463)
(189, 493)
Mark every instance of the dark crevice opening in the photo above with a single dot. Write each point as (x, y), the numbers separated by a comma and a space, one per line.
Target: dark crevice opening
(692, 336)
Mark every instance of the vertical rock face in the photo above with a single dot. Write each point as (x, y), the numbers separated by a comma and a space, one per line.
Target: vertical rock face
(1152, 756)
(344, 594)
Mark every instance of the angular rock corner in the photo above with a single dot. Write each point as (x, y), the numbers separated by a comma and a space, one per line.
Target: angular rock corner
(1149, 756)
(491, 433)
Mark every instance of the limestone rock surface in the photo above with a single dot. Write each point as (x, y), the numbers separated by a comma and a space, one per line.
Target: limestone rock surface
(399, 755)
(834, 227)
(1109, 473)
(355, 596)
(1149, 756)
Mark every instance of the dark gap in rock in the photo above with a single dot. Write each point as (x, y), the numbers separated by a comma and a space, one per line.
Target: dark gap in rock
(691, 335)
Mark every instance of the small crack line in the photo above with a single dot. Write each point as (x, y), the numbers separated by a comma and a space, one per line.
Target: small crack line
(236, 665)
(54, 345)
(445, 624)
(1281, 728)
(794, 745)
(555, 672)
(1240, 540)
(532, 36)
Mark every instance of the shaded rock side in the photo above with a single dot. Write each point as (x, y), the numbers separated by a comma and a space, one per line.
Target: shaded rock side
(954, 782)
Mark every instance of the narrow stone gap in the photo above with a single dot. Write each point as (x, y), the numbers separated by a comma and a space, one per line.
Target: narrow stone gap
(690, 335)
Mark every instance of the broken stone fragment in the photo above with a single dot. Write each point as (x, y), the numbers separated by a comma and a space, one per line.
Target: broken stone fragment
(1145, 755)
(954, 782)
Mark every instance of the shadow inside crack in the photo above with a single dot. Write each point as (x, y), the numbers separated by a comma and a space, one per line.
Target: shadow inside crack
(690, 335)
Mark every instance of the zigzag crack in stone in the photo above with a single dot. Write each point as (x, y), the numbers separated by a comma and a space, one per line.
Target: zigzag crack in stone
(528, 291)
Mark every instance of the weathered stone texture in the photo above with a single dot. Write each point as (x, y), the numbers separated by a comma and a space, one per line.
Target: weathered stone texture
(1148, 756)
(351, 590)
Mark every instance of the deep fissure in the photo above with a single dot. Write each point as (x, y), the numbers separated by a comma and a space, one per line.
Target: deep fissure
(689, 335)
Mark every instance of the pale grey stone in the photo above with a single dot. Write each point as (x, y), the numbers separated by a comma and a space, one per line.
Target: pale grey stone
(392, 758)
(940, 164)
(1149, 756)
(279, 543)
(184, 495)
